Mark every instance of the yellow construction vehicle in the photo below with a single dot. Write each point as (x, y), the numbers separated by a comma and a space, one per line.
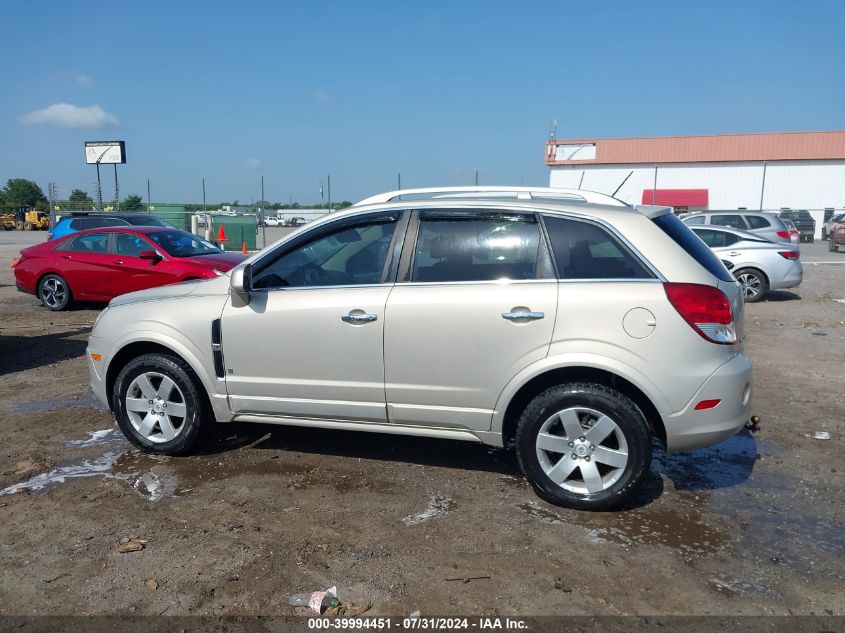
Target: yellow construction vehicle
(7, 221)
(28, 219)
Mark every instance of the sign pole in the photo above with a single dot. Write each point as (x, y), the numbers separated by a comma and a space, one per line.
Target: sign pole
(99, 190)
(116, 189)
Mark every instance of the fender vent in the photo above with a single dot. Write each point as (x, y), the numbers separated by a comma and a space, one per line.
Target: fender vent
(217, 349)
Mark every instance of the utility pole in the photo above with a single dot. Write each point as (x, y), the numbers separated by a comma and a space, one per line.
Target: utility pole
(263, 223)
(149, 201)
(398, 182)
(329, 185)
(763, 186)
(204, 210)
(476, 177)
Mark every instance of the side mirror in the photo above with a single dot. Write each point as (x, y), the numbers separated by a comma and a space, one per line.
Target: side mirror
(152, 255)
(241, 280)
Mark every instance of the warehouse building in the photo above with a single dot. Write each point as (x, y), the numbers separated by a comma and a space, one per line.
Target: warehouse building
(791, 170)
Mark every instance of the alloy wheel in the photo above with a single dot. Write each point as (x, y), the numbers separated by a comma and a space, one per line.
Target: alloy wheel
(752, 285)
(156, 407)
(53, 292)
(582, 450)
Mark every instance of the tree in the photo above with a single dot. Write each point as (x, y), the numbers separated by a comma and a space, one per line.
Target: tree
(77, 195)
(20, 191)
(132, 203)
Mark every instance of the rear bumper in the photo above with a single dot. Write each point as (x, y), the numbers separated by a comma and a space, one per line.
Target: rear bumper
(689, 429)
(793, 276)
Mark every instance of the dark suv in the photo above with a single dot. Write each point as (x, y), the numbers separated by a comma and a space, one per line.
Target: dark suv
(803, 221)
(81, 221)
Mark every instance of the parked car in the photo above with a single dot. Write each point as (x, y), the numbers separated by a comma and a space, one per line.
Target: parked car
(451, 315)
(804, 221)
(294, 221)
(759, 265)
(82, 221)
(273, 220)
(835, 219)
(100, 264)
(794, 234)
(837, 237)
(762, 223)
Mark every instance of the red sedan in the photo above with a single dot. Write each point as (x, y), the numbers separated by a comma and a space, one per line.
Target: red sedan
(100, 264)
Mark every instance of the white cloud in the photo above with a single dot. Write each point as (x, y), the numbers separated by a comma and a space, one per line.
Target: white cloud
(253, 163)
(321, 98)
(69, 115)
(86, 81)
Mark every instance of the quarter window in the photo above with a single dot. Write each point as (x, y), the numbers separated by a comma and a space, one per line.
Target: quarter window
(348, 256)
(757, 222)
(476, 249)
(584, 250)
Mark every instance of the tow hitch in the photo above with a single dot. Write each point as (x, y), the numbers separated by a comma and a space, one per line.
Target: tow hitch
(753, 424)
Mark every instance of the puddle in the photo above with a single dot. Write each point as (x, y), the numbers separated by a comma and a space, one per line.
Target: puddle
(106, 437)
(37, 406)
(535, 510)
(437, 507)
(99, 467)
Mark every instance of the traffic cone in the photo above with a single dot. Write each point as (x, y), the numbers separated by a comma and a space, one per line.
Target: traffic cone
(221, 234)
(243, 248)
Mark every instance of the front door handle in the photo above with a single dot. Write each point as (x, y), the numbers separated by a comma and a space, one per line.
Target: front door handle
(119, 262)
(358, 317)
(523, 316)
(733, 253)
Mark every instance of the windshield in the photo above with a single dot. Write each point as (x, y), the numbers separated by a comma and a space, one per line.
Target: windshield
(183, 244)
(146, 220)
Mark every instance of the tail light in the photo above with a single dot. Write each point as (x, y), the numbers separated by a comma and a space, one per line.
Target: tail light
(789, 254)
(16, 261)
(706, 309)
(783, 234)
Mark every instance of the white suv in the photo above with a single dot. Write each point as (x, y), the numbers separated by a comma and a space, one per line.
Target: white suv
(564, 323)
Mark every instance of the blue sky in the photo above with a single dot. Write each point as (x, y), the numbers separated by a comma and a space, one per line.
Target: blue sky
(231, 91)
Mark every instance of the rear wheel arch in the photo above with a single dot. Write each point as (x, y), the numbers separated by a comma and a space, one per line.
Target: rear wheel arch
(563, 375)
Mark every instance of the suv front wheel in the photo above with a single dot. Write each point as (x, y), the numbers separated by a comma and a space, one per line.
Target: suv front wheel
(584, 446)
(158, 404)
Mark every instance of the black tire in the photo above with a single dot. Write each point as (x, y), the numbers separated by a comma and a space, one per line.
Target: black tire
(751, 277)
(832, 246)
(19, 225)
(197, 415)
(605, 401)
(54, 293)
(824, 234)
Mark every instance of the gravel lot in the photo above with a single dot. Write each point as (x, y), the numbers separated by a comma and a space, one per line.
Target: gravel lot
(752, 526)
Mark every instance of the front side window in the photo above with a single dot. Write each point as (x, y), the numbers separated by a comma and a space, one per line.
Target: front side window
(716, 239)
(183, 244)
(350, 255)
(695, 219)
(130, 245)
(476, 249)
(91, 243)
(584, 250)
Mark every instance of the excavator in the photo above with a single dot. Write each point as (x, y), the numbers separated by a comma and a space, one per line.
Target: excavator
(28, 219)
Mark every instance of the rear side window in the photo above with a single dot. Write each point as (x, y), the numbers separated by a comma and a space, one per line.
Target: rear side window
(734, 221)
(146, 220)
(476, 249)
(695, 219)
(80, 224)
(91, 243)
(715, 239)
(697, 249)
(586, 251)
(757, 222)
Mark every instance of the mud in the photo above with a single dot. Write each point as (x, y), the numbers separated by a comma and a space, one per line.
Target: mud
(751, 526)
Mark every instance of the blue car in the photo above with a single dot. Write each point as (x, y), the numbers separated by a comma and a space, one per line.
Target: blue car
(80, 221)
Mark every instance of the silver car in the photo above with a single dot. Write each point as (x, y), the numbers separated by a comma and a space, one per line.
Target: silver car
(565, 324)
(758, 264)
(762, 223)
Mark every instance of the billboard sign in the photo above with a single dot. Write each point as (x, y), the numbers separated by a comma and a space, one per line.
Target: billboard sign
(575, 151)
(105, 152)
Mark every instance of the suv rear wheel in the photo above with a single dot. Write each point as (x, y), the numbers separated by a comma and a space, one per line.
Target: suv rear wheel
(159, 405)
(584, 446)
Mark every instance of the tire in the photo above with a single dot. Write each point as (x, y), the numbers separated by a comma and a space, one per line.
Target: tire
(626, 447)
(754, 284)
(54, 293)
(832, 246)
(19, 225)
(27, 226)
(824, 235)
(151, 427)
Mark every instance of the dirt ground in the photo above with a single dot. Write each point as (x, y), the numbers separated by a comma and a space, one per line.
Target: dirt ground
(751, 526)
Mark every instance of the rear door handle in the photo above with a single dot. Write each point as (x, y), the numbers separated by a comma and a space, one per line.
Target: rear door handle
(358, 318)
(523, 316)
(733, 253)
(119, 262)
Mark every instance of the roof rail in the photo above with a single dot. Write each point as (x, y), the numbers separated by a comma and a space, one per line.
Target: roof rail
(521, 193)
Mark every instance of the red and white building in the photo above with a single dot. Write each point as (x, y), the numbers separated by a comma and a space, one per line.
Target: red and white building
(789, 170)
